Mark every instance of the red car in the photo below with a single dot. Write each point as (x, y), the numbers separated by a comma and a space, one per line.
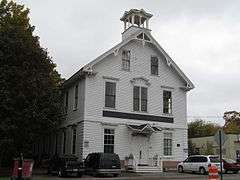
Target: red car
(231, 165)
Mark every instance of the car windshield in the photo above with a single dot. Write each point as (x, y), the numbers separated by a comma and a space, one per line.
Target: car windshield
(214, 159)
(230, 161)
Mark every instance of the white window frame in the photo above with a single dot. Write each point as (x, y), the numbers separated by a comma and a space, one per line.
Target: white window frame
(111, 134)
(140, 99)
(168, 136)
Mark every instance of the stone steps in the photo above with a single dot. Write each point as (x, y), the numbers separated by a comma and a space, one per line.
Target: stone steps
(147, 169)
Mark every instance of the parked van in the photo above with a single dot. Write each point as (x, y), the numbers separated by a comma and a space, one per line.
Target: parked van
(198, 163)
(102, 163)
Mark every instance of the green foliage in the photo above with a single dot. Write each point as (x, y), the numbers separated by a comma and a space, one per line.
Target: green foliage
(208, 149)
(30, 100)
(232, 128)
(200, 128)
(232, 122)
(192, 148)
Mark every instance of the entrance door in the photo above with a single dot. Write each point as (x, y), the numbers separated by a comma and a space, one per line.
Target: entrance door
(141, 149)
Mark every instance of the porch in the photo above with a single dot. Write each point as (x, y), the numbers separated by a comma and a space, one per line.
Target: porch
(140, 158)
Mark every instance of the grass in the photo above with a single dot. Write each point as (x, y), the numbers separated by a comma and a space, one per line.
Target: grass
(4, 178)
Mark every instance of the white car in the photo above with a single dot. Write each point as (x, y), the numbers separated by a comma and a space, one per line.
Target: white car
(198, 163)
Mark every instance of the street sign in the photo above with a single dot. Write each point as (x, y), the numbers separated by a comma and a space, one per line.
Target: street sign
(223, 137)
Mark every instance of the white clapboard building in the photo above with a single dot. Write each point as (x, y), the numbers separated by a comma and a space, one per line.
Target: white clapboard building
(131, 100)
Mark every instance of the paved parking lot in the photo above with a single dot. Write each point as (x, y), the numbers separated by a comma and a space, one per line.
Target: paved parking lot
(131, 176)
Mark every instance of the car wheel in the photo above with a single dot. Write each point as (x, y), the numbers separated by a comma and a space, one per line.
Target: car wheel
(115, 175)
(180, 169)
(79, 174)
(235, 172)
(225, 171)
(202, 170)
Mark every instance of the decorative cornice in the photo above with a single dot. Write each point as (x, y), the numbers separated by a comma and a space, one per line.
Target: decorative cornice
(111, 78)
(145, 80)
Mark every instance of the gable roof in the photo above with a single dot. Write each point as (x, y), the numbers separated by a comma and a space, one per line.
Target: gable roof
(87, 69)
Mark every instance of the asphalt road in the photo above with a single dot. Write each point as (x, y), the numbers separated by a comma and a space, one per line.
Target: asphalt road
(162, 176)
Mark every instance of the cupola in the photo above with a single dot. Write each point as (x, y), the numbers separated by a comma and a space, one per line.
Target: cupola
(134, 20)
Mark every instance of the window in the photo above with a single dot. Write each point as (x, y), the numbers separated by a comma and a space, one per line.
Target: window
(136, 93)
(139, 102)
(56, 143)
(154, 65)
(66, 101)
(110, 94)
(143, 36)
(167, 102)
(167, 144)
(108, 140)
(64, 142)
(76, 98)
(126, 60)
(74, 137)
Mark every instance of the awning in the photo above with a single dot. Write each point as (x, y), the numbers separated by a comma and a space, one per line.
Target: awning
(144, 129)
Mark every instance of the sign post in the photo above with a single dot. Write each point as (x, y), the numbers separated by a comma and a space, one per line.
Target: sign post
(220, 138)
(220, 146)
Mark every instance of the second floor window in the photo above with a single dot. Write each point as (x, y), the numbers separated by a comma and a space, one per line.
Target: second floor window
(126, 60)
(167, 102)
(110, 94)
(139, 98)
(154, 65)
(66, 101)
(76, 97)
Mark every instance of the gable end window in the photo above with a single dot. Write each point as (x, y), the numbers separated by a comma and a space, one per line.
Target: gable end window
(110, 94)
(143, 36)
(76, 97)
(154, 65)
(167, 102)
(126, 60)
(140, 98)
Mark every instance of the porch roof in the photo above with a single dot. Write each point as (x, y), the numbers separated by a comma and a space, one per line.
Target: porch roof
(143, 128)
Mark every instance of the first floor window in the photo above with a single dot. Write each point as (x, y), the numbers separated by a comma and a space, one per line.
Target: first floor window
(167, 144)
(74, 137)
(64, 142)
(167, 102)
(110, 94)
(139, 98)
(108, 140)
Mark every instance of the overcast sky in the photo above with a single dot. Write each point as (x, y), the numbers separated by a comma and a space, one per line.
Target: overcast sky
(201, 36)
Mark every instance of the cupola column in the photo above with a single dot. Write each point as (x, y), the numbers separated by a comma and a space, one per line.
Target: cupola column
(147, 23)
(133, 16)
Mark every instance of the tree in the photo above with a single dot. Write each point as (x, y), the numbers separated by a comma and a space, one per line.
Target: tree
(30, 99)
(200, 128)
(232, 122)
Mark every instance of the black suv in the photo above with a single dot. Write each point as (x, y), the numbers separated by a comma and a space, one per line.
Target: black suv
(102, 163)
(65, 165)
